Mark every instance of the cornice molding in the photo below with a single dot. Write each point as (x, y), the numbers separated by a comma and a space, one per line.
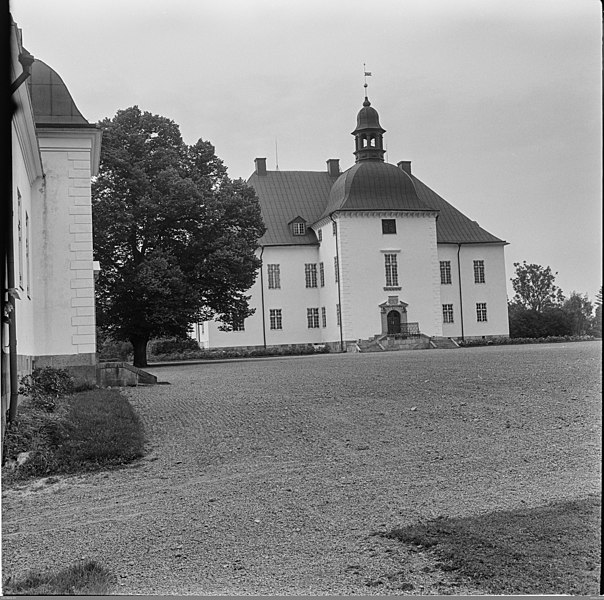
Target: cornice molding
(94, 134)
(388, 213)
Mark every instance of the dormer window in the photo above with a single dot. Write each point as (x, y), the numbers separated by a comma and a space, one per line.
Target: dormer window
(299, 228)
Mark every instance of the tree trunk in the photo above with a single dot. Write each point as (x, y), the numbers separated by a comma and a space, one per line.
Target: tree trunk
(139, 344)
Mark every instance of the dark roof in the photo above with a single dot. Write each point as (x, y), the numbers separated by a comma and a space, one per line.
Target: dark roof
(368, 118)
(374, 185)
(51, 101)
(285, 195)
(452, 226)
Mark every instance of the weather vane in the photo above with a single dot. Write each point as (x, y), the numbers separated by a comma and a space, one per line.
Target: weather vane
(366, 74)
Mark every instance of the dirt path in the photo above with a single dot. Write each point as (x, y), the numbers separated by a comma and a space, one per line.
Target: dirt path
(270, 476)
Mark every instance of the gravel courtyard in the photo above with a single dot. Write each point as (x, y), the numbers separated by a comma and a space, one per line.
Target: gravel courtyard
(270, 476)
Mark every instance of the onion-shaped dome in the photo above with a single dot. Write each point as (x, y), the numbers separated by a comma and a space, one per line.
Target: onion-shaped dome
(374, 185)
(368, 118)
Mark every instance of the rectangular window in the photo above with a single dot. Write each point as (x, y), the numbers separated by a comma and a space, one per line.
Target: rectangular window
(27, 264)
(310, 272)
(334, 228)
(479, 271)
(322, 274)
(481, 312)
(445, 272)
(20, 238)
(312, 318)
(275, 318)
(324, 316)
(238, 325)
(320, 235)
(447, 313)
(299, 228)
(338, 315)
(388, 225)
(391, 270)
(336, 267)
(274, 277)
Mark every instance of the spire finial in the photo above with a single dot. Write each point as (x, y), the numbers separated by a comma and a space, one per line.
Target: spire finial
(366, 74)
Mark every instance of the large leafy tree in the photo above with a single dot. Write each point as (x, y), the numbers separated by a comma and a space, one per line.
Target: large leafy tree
(579, 310)
(176, 238)
(535, 287)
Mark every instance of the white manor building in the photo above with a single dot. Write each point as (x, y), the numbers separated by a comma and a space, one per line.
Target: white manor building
(366, 256)
(48, 303)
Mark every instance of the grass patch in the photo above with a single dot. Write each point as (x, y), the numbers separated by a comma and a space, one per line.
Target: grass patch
(88, 431)
(83, 578)
(549, 550)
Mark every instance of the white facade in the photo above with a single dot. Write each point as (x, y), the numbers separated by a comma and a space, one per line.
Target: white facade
(363, 288)
(491, 292)
(406, 259)
(54, 154)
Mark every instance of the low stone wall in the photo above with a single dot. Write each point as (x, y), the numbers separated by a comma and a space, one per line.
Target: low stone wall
(82, 367)
(120, 374)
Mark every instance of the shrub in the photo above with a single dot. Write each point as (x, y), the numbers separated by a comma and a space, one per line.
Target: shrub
(45, 385)
(503, 341)
(173, 346)
(526, 323)
(109, 349)
(82, 578)
(88, 431)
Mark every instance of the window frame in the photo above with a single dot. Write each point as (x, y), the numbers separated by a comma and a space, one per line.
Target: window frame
(275, 316)
(312, 318)
(274, 276)
(481, 312)
(479, 272)
(448, 314)
(445, 272)
(238, 325)
(391, 269)
(299, 228)
(388, 224)
(310, 275)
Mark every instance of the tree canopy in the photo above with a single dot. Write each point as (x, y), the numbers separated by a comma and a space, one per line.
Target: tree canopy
(579, 310)
(534, 287)
(176, 238)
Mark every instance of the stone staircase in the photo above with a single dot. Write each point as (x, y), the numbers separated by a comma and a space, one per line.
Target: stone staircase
(122, 374)
(443, 343)
(389, 343)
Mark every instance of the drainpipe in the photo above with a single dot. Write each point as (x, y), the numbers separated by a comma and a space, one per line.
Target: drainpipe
(460, 294)
(262, 297)
(12, 325)
(26, 61)
(339, 284)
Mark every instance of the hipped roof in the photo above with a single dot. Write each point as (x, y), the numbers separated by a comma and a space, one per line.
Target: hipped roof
(285, 195)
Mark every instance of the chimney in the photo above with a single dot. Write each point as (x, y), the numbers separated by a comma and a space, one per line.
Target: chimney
(260, 166)
(333, 167)
(405, 165)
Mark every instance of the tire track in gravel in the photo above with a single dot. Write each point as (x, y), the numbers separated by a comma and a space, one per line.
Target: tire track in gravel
(270, 476)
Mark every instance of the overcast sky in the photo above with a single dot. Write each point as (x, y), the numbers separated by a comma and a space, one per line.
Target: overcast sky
(497, 104)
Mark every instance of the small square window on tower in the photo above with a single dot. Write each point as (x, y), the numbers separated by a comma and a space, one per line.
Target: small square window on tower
(388, 225)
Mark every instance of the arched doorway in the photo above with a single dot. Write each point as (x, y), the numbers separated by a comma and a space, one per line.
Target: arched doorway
(394, 322)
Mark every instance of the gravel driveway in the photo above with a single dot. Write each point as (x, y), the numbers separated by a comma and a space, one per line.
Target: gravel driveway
(269, 476)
